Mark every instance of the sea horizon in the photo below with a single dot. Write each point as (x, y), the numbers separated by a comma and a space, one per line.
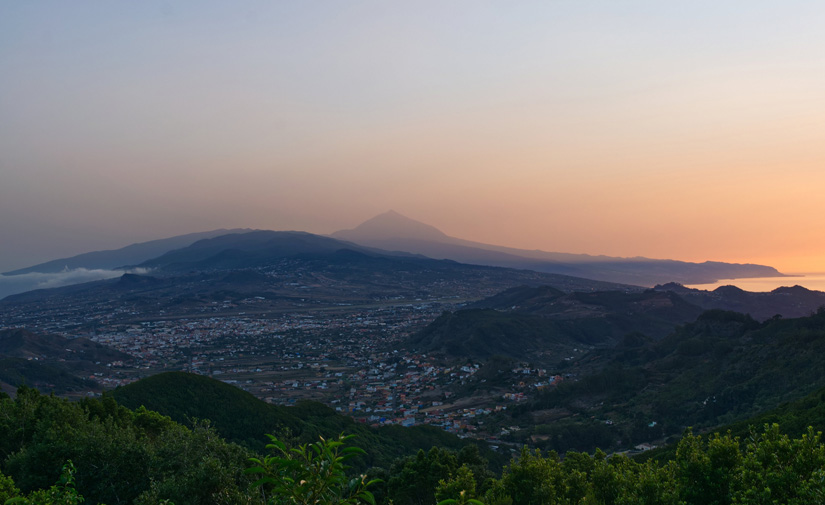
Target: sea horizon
(811, 280)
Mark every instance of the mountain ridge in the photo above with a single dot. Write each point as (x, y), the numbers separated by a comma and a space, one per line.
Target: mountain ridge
(392, 234)
(393, 231)
(129, 255)
(546, 325)
(795, 301)
(52, 362)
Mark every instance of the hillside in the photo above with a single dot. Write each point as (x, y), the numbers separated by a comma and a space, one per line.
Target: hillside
(96, 451)
(129, 255)
(723, 368)
(544, 325)
(539, 322)
(793, 301)
(244, 419)
(244, 250)
(52, 378)
(20, 343)
(793, 417)
(647, 312)
(51, 362)
(485, 333)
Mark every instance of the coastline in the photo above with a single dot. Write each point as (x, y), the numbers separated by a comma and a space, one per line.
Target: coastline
(814, 281)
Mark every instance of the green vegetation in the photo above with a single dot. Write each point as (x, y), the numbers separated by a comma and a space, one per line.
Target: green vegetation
(41, 375)
(246, 420)
(62, 493)
(793, 418)
(120, 456)
(415, 480)
(720, 470)
(768, 468)
(119, 450)
(723, 368)
(543, 324)
(310, 474)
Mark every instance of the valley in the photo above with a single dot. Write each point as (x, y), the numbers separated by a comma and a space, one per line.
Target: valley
(495, 354)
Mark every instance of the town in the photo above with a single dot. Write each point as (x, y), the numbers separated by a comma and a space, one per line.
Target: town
(347, 360)
(352, 359)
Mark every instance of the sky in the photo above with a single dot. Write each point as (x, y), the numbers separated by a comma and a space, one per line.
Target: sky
(685, 130)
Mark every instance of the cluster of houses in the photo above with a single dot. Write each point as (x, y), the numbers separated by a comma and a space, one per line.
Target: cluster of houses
(352, 359)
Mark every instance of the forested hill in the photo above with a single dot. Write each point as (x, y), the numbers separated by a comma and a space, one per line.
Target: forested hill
(792, 418)
(723, 368)
(241, 418)
(52, 362)
(543, 325)
(56, 452)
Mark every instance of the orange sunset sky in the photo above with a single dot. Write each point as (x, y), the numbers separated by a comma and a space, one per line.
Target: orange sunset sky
(684, 130)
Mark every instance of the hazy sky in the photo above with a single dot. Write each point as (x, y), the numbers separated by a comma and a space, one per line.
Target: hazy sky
(691, 130)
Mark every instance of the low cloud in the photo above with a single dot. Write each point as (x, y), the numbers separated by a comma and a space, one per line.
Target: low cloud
(13, 284)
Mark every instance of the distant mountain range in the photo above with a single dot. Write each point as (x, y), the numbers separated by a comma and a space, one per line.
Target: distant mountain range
(281, 271)
(252, 249)
(394, 232)
(117, 258)
(793, 301)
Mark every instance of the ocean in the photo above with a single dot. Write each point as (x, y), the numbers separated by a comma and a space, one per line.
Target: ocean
(813, 281)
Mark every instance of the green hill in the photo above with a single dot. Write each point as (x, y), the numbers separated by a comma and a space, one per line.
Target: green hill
(544, 324)
(726, 367)
(723, 368)
(793, 418)
(20, 343)
(51, 362)
(97, 451)
(15, 372)
(240, 417)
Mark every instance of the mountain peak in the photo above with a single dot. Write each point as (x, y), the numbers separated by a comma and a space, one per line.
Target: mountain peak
(391, 214)
(391, 225)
